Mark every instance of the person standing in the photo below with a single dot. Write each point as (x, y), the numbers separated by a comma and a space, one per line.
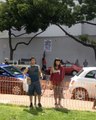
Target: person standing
(85, 63)
(77, 62)
(34, 73)
(57, 76)
(44, 62)
(6, 61)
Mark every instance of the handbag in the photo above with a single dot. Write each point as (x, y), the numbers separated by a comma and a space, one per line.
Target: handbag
(28, 80)
(25, 85)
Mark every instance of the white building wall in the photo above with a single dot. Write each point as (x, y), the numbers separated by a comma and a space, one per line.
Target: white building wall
(4, 34)
(62, 47)
(89, 29)
(4, 49)
(55, 31)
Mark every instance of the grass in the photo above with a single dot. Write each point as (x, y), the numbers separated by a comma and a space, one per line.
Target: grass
(11, 112)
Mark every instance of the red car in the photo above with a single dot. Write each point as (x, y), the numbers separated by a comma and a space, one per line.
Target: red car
(70, 69)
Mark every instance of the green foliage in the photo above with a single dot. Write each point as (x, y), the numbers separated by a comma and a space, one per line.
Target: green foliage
(9, 17)
(84, 38)
(93, 42)
(18, 13)
(33, 15)
(36, 14)
(88, 9)
(39, 14)
(77, 13)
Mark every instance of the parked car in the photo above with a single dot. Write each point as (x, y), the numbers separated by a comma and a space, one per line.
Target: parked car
(70, 69)
(83, 85)
(22, 67)
(11, 80)
(10, 71)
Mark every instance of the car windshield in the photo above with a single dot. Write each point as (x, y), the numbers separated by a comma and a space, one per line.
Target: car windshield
(68, 65)
(13, 70)
(79, 72)
(91, 74)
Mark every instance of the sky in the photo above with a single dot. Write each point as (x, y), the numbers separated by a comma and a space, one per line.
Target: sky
(2, 0)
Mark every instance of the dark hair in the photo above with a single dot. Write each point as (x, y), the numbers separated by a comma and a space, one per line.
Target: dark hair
(54, 65)
(33, 58)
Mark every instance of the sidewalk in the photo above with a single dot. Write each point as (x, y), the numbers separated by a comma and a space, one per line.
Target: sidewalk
(47, 102)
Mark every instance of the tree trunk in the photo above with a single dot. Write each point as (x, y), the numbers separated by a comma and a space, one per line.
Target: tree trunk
(10, 45)
(94, 52)
(11, 54)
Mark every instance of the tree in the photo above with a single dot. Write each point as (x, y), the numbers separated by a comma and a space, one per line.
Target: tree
(33, 15)
(18, 14)
(82, 13)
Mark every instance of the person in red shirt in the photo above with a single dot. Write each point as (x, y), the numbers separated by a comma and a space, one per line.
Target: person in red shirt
(57, 74)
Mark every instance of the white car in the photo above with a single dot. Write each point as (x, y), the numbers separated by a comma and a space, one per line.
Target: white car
(83, 85)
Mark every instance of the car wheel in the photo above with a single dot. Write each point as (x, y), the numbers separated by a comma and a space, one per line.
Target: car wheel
(80, 94)
(16, 90)
(74, 72)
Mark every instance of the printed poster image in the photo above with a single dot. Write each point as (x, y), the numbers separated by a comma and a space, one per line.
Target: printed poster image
(47, 45)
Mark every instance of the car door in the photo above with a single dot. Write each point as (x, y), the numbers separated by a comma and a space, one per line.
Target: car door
(4, 81)
(68, 68)
(90, 81)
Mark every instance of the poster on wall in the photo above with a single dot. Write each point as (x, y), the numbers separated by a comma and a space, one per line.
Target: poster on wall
(48, 45)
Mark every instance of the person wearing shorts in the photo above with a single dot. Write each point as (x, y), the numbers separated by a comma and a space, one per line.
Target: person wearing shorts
(34, 72)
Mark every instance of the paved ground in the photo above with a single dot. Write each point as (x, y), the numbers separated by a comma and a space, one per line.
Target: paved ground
(48, 99)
